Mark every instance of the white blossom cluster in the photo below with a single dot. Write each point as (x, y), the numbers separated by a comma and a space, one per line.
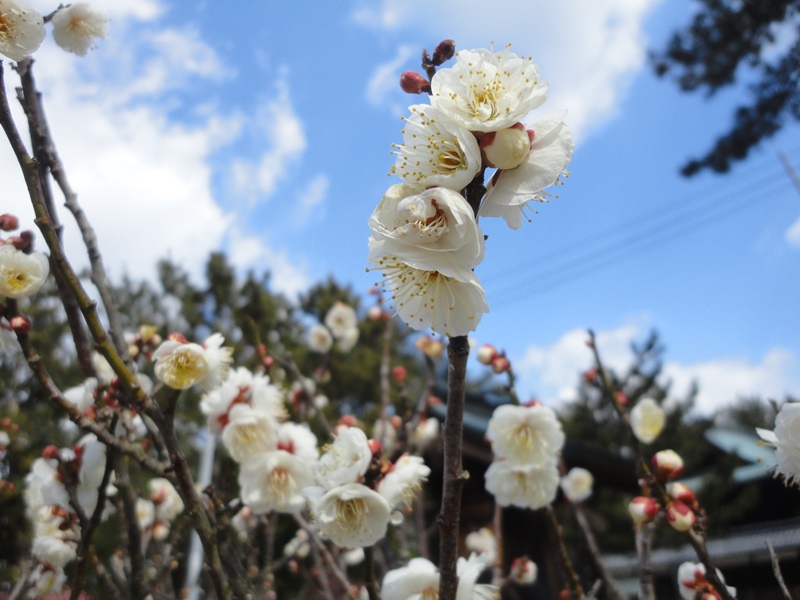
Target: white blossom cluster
(76, 27)
(341, 326)
(526, 441)
(786, 440)
(420, 579)
(425, 238)
(346, 510)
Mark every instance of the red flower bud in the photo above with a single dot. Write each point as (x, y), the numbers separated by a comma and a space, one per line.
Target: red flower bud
(20, 324)
(682, 492)
(375, 447)
(444, 52)
(486, 354)
(680, 516)
(643, 509)
(622, 399)
(667, 465)
(500, 364)
(414, 83)
(399, 374)
(8, 222)
(51, 451)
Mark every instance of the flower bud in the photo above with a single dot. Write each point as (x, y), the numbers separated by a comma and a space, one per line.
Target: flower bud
(667, 465)
(444, 52)
(523, 571)
(20, 324)
(434, 349)
(500, 364)
(51, 452)
(643, 509)
(399, 374)
(375, 447)
(412, 82)
(375, 313)
(622, 399)
(682, 492)
(647, 420)
(8, 222)
(680, 516)
(507, 148)
(486, 354)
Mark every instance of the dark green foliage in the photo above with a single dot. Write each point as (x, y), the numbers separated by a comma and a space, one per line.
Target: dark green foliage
(725, 38)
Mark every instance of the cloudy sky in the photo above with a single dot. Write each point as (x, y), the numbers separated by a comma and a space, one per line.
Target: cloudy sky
(264, 130)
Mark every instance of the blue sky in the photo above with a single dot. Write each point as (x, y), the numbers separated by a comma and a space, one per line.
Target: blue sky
(264, 129)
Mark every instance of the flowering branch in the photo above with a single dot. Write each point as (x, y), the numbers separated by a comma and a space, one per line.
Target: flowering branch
(454, 475)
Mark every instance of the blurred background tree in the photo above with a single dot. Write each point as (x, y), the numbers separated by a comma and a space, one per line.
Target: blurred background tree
(725, 39)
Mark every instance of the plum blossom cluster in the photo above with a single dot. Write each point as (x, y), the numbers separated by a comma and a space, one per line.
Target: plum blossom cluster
(341, 327)
(692, 583)
(526, 441)
(425, 238)
(420, 579)
(76, 28)
(357, 494)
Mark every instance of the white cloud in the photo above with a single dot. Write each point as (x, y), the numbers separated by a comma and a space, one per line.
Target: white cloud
(385, 80)
(793, 234)
(310, 201)
(143, 178)
(286, 275)
(551, 372)
(144, 10)
(587, 50)
(284, 131)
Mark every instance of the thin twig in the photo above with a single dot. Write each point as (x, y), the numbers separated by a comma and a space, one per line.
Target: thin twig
(369, 574)
(776, 569)
(614, 591)
(572, 576)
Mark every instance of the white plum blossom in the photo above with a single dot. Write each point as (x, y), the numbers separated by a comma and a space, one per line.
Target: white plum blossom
(524, 485)
(346, 460)
(298, 546)
(82, 396)
(21, 29)
(320, 339)
(692, 579)
(509, 191)
(298, 439)
(486, 90)
(525, 434)
(647, 420)
(47, 580)
(426, 432)
(275, 481)
(435, 151)
(483, 542)
(348, 340)
(523, 571)
(249, 431)
(181, 364)
(76, 27)
(241, 387)
(577, 484)
(165, 498)
(103, 369)
(21, 275)
(350, 515)
(426, 243)
(145, 513)
(786, 439)
(419, 580)
(449, 306)
(55, 538)
(340, 319)
(428, 229)
(400, 485)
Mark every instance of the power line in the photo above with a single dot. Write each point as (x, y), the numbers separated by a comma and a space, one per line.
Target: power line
(645, 232)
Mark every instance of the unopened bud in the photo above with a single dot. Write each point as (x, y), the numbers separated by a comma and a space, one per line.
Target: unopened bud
(507, 148)
(434, 349)
(375, 447)
(443, 52)
(590, 376)
(8, 222)
(667, 465)
(500, 364)
(375, 313)
(177, 337)
(412, 82)
(51, 452)
(679, 516)
(20, 324)
(622, 399)
(399, 374)
(347, 420)
(682, 492)
(523, 571)
(486, 354)
(643, 509)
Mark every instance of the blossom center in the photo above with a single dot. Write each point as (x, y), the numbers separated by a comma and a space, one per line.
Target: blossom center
(186, 368)
(16, 280)
(281, 485)
(351, 514)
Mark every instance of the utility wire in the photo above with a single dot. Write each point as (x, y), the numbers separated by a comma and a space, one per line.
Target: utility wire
(607, 248)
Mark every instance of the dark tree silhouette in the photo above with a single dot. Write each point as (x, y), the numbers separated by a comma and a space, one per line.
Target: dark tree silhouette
(724, 38)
